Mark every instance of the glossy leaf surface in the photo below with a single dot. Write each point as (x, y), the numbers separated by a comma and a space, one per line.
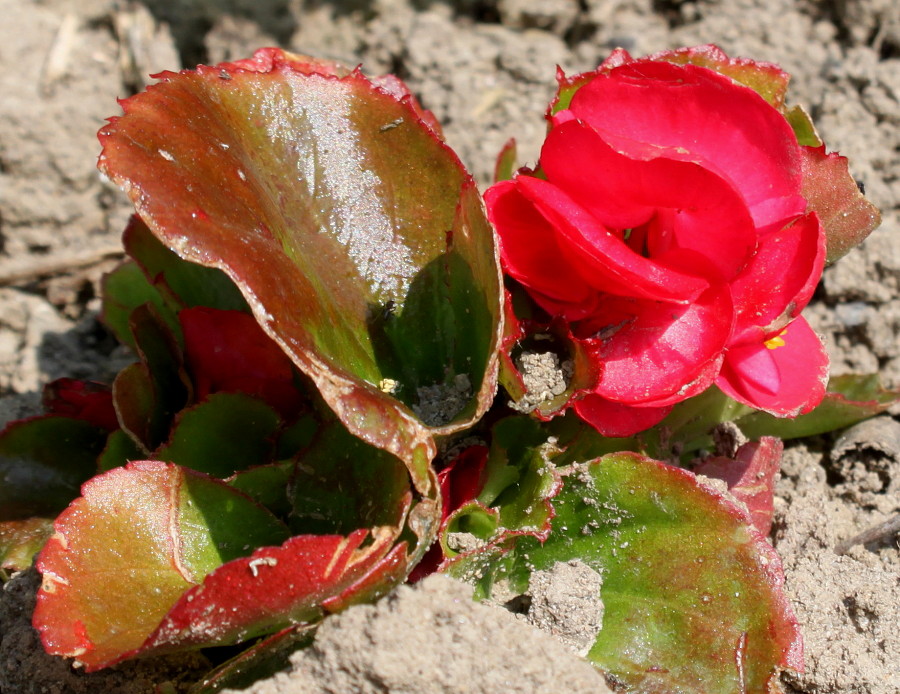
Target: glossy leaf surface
(355, 235)
(125, 551)
(692, 594)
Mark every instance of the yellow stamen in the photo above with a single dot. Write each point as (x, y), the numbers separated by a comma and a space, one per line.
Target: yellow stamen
(777, 341)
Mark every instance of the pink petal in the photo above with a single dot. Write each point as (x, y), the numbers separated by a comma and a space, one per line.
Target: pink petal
(780, 279)
(655, 353)
(648, 109)
(786, 381)
(616, 419)
(600, 257)
(694, 208)
(529, 253)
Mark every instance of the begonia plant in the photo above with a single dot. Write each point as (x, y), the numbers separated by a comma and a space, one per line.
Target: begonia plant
(321, 306)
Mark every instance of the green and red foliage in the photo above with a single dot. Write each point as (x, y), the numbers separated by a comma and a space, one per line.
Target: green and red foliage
(314, 299)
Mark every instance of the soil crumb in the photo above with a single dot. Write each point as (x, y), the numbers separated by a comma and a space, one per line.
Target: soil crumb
(439, 404)
(432, 638)
(544, 378)
(565, 603)
(847, 605)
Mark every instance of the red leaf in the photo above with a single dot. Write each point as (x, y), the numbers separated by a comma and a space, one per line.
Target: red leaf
(846, 215)
(227, 351)
(279, 586)
(750, 477)
(86, 400)
(356, 236)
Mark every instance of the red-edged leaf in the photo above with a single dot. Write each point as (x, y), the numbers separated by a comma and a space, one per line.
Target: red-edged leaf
(297, 582)
(692, 592)
(86, 400)
(850, 398)
(147, 395)
(226, 433)
(43, 461)
(180, 283)
(847, 217)
(20, 540)
(505, 166)
(750, 477)
(354, 233)
(803, 127)
(158, 529)
(766, 79)
(260, 661)
(123, 290)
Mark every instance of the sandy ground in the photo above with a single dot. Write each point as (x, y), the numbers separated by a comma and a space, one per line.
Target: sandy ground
(485, 67)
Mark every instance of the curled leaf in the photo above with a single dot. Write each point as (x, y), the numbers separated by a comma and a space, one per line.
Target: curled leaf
(355, 235)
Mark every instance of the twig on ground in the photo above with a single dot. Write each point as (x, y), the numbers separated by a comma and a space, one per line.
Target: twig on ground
(57, 266)
(879, 532)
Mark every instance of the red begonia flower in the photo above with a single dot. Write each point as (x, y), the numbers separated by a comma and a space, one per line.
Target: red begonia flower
(666, 224)
(227, 351)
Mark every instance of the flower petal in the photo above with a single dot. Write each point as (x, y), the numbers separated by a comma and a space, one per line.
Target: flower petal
(699, 210)
(787, 381)
(616, 419)
(655, 353)
(779, 281)
(529, 253)
(648, 109)
(601, 258)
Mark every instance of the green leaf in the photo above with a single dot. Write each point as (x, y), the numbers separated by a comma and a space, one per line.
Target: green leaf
(506, 161)
(120, 449)
(803, 127)
(20, 540)
(355, 235)
(342, 483)
(225, 433)
(851, 398)
(43, 462)
(182, 283)
(158, 529)
(124, 289)
(692, 594)
(147, 395)
(262, 660)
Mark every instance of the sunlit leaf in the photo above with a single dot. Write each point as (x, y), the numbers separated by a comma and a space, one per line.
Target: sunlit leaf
(159, 529)
(353, 232)
(692, 593)
(846, 215)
